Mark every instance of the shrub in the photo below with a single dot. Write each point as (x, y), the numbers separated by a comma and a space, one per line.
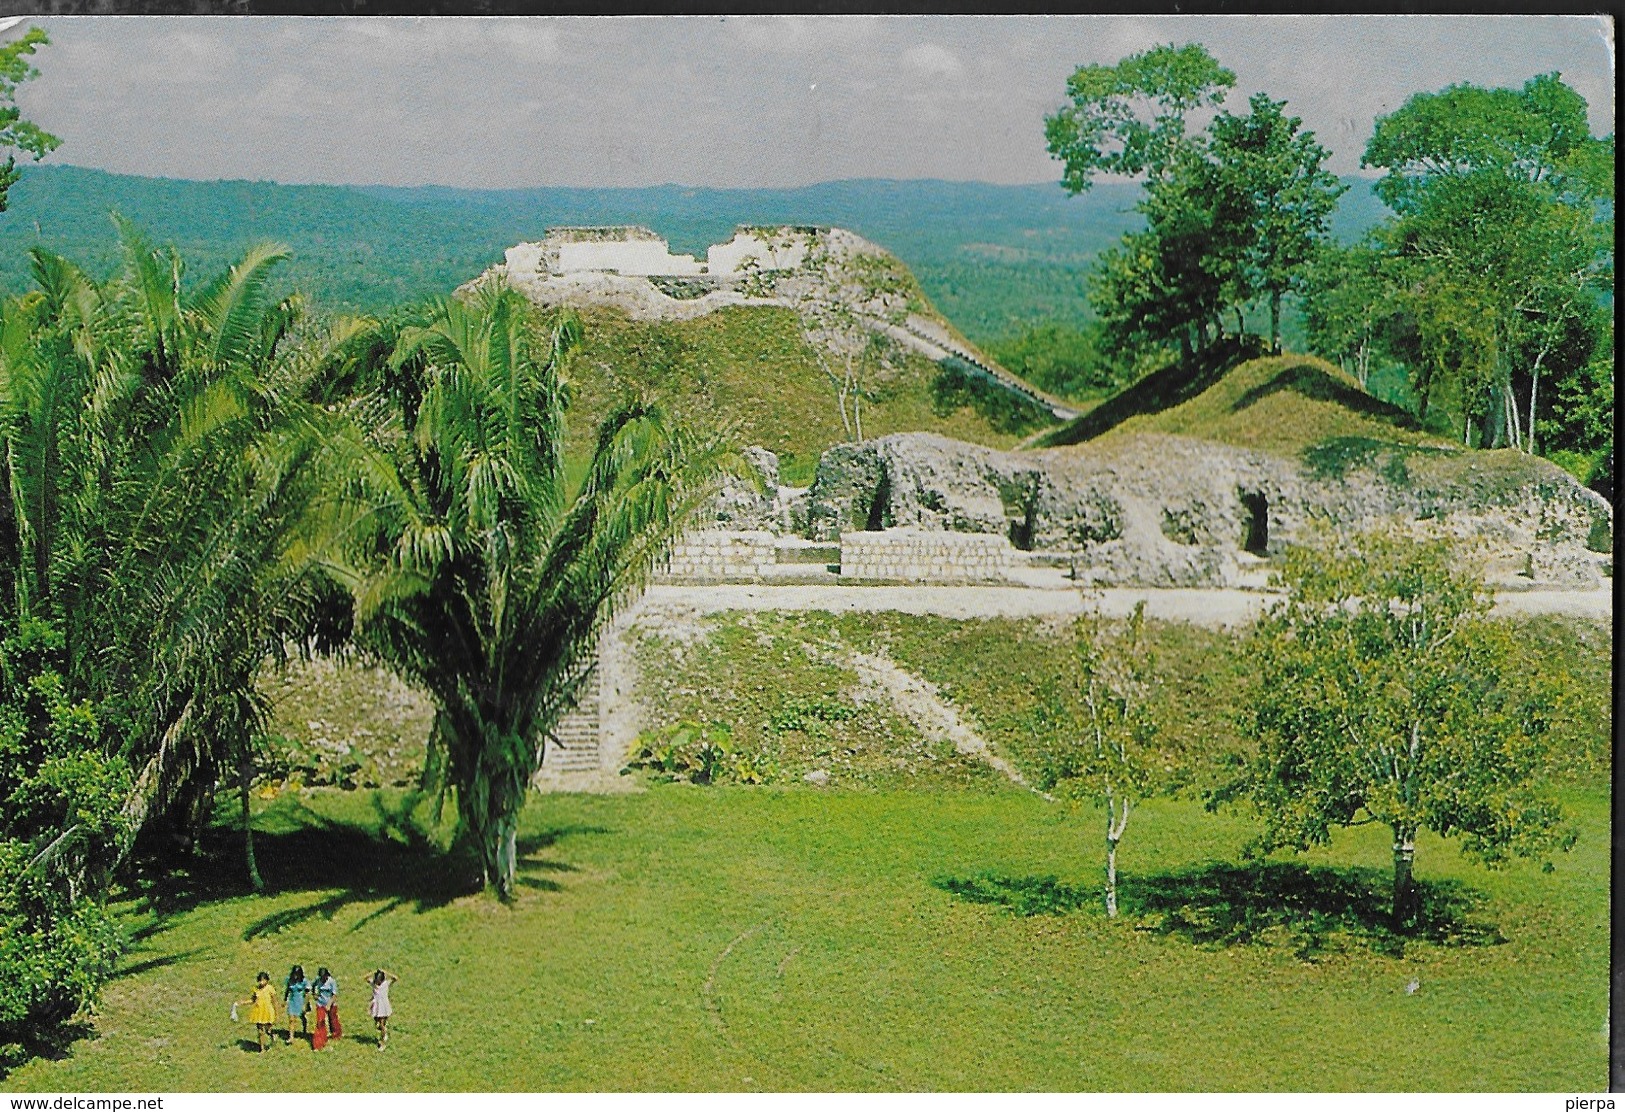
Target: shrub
(700, 755)
(61, 820)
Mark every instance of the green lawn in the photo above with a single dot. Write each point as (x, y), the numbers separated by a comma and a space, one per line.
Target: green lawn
(797, 938)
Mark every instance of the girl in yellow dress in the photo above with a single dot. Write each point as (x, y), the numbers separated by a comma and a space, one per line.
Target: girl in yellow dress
(262, 1007)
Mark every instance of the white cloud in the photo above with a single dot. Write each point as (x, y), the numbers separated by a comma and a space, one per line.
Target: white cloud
(931, 61)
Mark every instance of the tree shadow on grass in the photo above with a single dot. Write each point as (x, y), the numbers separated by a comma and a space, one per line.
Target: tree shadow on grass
(1316, 382)
(52, 1041)
(163, 961)
(395, 861)
(1313, 910)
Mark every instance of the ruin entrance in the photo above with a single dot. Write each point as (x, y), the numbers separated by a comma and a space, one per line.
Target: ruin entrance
(1255, 522)
(879, 506)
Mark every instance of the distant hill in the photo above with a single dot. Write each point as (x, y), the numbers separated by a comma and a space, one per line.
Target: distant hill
(989, 256)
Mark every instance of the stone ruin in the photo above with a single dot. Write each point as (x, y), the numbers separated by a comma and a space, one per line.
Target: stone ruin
(635, 250)
(1146, 510)
(1143, 510)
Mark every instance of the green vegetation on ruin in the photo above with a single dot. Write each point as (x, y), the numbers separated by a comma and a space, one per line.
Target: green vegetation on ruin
(1281, 404)
(753, 366)
(1012, 680)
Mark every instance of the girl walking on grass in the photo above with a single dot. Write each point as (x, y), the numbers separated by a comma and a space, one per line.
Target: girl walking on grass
(326, 992)
(262, 1008)
(293, 998)
(380, 1008)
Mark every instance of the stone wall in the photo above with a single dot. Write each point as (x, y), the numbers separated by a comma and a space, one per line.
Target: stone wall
(714, 555)
(1171, 511)
(639, 252)
(575, 745)
(781, 252)
(920, 556)
(639, 256)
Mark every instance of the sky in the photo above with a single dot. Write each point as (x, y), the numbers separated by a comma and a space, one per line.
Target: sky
(711, 101)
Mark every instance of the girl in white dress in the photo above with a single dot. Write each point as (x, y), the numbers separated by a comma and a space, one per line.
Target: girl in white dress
(380, 1008)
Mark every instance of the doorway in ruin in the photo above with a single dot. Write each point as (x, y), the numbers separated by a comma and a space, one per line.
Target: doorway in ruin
(879, 506)
(1255, 522)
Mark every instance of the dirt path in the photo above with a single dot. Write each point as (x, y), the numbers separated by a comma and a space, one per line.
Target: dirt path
(918, 700)
(1205, 606)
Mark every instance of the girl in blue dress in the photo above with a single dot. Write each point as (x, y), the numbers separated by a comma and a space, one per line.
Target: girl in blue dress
(294, 995)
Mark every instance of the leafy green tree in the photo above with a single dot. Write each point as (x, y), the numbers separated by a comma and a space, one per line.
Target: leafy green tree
(1273, 176)
(1349, 301)
(1503, 200)
(16, 133)
(1233, 213)
(476, 573)
(1385, 697)
(1129, 120)
(1110, 764)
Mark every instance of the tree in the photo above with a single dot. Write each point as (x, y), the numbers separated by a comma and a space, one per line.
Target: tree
(1129, 120)
(155, 449)
(845, 298)
(60, 827)
(476, 574)
(1504, 199)
(1348, 301)
(1233, 212)
(1109, 764)
(16, 133)
(1384, 697)
(1274, 176)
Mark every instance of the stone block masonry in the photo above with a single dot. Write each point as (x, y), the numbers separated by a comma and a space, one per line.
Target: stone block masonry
(921, 556)
(716, 556)
(575, 746)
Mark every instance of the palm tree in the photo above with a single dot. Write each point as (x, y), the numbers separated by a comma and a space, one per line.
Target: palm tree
(474, 572)
(156, 448)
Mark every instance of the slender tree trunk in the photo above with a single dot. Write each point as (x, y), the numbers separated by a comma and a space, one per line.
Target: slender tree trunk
(1404, 888)
(1534, 390)
(245, 776)
(1241, 323)
(1111, 876)
(1185, 345)
(499, 854)
(1275, 322)
(1116, 824)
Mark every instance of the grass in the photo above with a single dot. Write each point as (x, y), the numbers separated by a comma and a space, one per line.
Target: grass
(796, 939)
(751, 365)
(1286, 404)
(920, 925)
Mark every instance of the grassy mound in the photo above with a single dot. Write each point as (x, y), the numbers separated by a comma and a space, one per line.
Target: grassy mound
(1284, 404)
(752, 366)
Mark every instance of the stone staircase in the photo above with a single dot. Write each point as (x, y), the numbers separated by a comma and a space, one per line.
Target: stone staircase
(935, 342)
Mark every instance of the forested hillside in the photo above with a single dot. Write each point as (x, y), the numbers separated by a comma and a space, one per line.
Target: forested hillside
(991, 257)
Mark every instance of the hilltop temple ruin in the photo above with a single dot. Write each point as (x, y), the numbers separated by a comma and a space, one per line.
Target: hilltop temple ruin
(634, 250)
